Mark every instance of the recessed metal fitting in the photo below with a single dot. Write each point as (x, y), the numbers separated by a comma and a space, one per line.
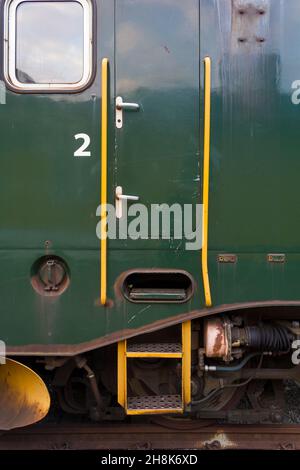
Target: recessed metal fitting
(50, 275)
(227, 258)
(276, 258)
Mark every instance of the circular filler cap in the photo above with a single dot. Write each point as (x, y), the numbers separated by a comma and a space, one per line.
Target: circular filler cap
(50, 275)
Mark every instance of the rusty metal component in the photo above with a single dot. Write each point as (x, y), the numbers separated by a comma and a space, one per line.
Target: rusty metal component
(180, 423)
(66, 382)
(250, 24)
(72, 349)
(243, 416)
(129, 436)
(24, 398)
(222, 339)
(276, 258)
(216, 342)
(98, 410)
(226, 258)
(50, 276)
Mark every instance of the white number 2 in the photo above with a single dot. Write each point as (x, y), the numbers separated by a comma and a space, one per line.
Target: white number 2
(82, 152)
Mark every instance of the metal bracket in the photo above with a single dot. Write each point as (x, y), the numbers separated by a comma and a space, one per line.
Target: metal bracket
(276, 258)
(227, 258)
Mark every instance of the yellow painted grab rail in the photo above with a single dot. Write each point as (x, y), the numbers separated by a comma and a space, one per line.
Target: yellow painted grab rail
(104, 128)
(206, 164)
(186, 362)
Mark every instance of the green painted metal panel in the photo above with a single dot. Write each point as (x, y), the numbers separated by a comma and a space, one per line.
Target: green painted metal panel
(156, 51)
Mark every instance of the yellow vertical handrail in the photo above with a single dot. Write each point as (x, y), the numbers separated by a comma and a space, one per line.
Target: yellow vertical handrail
(186, 362)
(122, 373)
(104, 131)
(206, 164)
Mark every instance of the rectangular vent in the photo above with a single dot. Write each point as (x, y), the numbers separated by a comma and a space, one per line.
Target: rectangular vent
(158, 286)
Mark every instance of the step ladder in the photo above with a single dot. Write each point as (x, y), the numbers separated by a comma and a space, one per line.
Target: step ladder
(156, 404)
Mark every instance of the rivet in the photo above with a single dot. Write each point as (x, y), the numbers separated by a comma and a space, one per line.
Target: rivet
(242, 39)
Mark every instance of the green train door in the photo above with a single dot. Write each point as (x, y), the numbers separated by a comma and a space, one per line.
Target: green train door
(50, 164)
(157, 129)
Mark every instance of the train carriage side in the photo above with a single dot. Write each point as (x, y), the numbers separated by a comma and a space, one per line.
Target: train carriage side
(149, 228)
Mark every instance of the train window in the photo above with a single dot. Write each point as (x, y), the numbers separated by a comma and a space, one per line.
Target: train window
(48, 44)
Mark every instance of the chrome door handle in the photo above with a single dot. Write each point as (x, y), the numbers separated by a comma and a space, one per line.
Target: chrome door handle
(122, 106)
(130, 198)
(121, 197)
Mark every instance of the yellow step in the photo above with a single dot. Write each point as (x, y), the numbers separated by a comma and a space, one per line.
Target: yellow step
(163, 350)
(154, 404)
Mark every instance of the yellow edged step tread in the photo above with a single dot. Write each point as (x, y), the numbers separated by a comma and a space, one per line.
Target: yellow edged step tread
(154, 350)
(155, 404)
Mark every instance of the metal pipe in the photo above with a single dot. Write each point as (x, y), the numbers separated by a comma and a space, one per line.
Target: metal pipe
(94, 386)
(233, 368)
(81, 363)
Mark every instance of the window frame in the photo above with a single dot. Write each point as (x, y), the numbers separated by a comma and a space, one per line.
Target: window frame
(10, 9)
